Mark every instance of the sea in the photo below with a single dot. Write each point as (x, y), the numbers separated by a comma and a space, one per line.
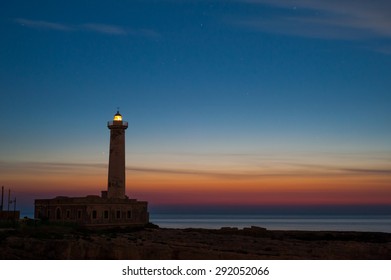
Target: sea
(368, 223)
(315, 222)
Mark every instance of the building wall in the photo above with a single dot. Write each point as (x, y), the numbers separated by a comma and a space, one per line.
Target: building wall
(93, 211)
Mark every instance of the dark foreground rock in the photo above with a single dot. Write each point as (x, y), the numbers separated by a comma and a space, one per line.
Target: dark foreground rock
(226, 243)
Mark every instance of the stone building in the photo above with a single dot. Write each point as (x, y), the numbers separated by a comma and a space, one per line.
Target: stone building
(113, 207)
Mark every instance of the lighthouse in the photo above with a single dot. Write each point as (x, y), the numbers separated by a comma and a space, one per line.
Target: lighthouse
(116, 177)
(112, 208)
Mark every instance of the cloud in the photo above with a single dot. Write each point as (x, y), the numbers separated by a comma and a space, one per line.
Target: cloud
(309, 170)
(104, 28)
(202, 173)
(107, 29)
(40, 24)
(336, 19)
(386, 49)
(367, 171)
(290, 170)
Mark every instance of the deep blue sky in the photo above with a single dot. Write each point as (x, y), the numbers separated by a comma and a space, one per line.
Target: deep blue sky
(288, 79)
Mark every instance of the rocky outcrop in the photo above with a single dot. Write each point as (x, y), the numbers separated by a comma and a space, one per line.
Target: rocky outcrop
(227, 243)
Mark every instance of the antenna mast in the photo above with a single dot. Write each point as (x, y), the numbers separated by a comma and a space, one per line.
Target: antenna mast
(2, 198)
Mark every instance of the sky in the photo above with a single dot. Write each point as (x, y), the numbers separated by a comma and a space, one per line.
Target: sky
(229, 103)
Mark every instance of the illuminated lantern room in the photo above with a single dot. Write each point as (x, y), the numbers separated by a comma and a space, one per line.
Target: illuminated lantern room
(117, 117)
(117, 122)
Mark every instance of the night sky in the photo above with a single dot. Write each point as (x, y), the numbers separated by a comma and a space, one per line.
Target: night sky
(268, 102)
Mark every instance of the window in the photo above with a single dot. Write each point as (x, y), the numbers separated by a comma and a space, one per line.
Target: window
(106, 214)
(129, 214)
(79, 214)
(118, 214)
(58, 214)
(94, 214)
(68, 214)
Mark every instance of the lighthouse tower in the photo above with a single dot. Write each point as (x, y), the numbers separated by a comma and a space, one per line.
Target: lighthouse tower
(116, 178)
(113, 208)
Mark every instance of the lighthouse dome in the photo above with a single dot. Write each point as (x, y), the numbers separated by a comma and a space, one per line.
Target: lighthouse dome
(117, 117)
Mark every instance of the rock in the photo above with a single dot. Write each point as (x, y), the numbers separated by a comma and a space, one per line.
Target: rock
(225, 243)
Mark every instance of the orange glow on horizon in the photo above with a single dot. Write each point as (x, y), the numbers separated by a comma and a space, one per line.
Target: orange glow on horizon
(180, 187)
